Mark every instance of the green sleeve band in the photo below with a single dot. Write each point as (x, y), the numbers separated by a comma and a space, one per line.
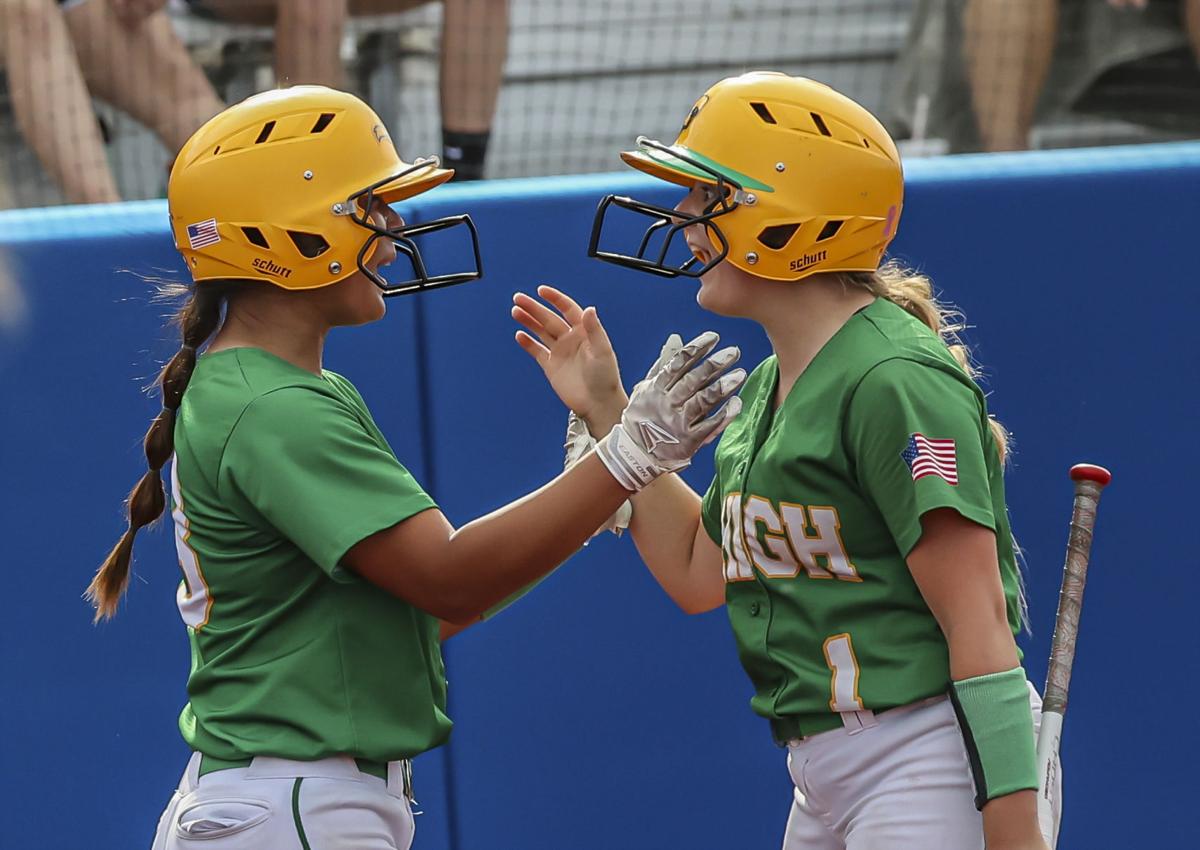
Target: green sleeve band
(997, 726)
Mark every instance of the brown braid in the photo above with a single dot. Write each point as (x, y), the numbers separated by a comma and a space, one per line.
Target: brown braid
(197, 320)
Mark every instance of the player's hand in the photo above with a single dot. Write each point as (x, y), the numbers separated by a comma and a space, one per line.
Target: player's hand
(681, 405)
(573, 349)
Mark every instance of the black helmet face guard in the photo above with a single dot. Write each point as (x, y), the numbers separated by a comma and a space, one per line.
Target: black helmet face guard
(729, 196)
(358, 207)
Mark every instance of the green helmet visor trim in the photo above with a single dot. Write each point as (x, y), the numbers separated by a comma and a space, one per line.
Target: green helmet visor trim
(684, 161)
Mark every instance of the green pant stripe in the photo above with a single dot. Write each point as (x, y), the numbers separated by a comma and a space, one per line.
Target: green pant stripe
(296, 814)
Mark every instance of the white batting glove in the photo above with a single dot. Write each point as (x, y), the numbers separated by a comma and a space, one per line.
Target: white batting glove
(670, 414)
(579, 443)
(671, 347)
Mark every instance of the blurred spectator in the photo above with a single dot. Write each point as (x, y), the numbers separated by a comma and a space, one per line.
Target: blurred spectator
(978, 73)
(59, 54)
(1009, 45)
(308, 38)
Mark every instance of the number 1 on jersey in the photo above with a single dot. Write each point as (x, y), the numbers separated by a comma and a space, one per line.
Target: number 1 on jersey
(843, 684)
(192, 597)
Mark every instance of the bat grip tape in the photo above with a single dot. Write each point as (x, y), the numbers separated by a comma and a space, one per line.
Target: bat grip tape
(997, 728)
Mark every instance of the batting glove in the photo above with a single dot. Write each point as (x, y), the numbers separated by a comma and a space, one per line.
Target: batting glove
(680, 406)
(580, 441)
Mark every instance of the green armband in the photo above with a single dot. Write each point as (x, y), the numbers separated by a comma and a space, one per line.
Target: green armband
(997, 727)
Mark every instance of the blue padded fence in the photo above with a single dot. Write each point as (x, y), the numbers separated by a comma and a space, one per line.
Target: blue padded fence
(593, 714)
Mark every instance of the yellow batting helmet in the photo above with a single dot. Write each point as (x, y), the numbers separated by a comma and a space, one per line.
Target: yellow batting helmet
(278, 187)
(808, 181)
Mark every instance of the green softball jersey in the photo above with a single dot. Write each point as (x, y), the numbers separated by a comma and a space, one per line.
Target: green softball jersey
(817, 504)
(277, 473)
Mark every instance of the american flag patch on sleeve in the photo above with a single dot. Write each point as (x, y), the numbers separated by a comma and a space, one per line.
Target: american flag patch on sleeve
(931, 457)
(202, 234)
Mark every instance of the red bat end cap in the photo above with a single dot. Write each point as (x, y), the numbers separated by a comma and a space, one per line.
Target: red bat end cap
(1090, 472)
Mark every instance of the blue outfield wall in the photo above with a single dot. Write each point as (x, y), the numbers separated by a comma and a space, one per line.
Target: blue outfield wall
(593, 714)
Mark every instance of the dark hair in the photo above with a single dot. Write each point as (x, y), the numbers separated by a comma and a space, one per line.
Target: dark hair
(197, 319)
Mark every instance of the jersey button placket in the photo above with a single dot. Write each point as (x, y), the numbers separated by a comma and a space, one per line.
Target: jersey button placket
(742, 473)
(757, 608)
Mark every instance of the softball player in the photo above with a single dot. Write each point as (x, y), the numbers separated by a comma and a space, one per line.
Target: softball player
(855, 529)
(315, 568)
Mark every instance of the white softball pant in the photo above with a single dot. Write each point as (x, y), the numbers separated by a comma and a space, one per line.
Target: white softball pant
(279, 804)
(897, 780)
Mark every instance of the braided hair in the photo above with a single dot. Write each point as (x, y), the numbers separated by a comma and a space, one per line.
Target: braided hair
(198, 319)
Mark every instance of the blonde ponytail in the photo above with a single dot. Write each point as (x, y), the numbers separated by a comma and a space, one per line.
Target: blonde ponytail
(913, 291)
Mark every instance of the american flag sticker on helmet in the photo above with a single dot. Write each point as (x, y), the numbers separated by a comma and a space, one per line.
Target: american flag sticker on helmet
(931, 457)
(202, 234)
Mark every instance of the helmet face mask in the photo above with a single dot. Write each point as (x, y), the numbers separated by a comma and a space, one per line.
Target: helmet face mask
(728, 193)
(358, 207)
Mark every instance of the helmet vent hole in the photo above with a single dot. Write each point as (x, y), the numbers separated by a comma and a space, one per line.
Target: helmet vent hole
(255, 237)
(829, 230)
(866, 144)
(778, 235)
(265, 133)
(308, 244)
(322, 122)
(763, 112)
(820, 122)
(217, 150)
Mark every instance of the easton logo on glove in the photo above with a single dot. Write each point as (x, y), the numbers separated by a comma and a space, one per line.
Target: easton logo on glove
(652, 435)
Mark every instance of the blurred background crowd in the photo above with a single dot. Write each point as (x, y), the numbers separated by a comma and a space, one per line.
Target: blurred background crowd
(97, 96)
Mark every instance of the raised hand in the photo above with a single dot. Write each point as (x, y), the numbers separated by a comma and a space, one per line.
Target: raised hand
(573, 349)
(681, 405)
